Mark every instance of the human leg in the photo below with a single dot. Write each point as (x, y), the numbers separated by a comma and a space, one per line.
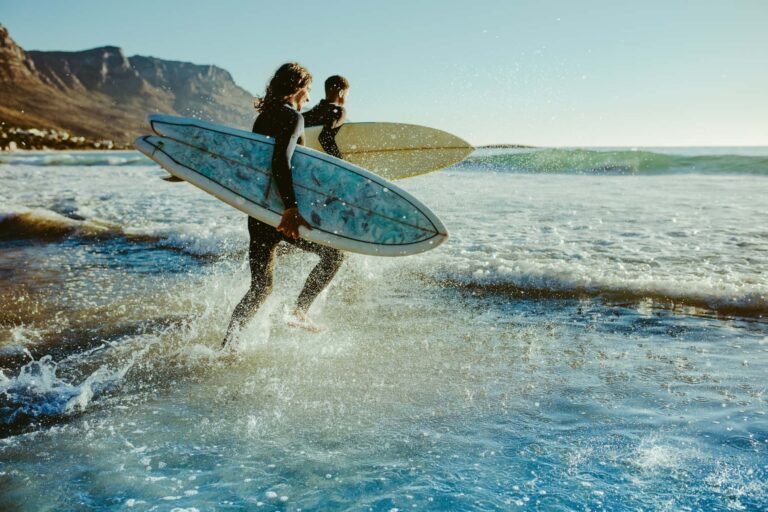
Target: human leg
(261, 256)
(320, 276)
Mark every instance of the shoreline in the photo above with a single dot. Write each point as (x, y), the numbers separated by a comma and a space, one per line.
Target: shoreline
(44, 151)
(14, 139)
(88, 146)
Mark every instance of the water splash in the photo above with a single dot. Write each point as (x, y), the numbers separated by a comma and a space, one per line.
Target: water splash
(39, 394)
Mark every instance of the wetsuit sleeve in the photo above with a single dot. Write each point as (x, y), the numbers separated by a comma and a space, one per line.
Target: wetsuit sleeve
(285, 144)
(333, 122)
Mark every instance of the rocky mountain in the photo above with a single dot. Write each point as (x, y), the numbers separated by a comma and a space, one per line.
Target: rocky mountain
(102, 94)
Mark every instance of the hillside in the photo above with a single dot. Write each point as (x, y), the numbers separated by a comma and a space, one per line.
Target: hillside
(102, 94)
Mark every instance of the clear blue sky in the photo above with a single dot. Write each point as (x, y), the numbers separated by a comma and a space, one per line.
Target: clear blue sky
(590, 73)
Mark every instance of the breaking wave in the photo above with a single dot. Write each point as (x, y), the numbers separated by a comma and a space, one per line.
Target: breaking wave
(753, 304)
(48, 226)
(619, 162)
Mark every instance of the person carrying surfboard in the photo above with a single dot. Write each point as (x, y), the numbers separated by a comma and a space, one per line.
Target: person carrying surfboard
(330, 113)
(279, 117)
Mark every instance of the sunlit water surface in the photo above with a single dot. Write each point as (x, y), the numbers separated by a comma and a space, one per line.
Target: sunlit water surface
(584, 341)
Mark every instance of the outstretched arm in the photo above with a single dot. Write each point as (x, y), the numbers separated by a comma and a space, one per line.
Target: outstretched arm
(331, 127)
(327, 140)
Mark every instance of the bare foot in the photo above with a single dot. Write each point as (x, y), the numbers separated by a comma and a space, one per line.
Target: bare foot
(302, 321)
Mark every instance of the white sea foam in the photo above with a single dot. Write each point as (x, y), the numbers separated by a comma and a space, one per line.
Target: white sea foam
(629, 236)
(688, 238)
(74, 158)
(735, 483)
(653, 454)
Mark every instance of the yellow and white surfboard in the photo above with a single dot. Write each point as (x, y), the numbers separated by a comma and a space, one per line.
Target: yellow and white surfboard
(393, 150)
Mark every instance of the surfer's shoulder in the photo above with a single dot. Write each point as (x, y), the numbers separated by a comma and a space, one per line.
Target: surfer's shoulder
(338, 112)
(288, 117)
(291, 114)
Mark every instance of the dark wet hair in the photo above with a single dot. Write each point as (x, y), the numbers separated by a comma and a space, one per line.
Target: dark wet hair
(288, 79)
(334, 84)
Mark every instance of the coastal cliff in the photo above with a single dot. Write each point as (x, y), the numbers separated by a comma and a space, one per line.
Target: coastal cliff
(100, 97)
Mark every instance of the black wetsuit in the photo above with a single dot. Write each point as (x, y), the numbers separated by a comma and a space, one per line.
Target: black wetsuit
(286, 126)
(330, 116)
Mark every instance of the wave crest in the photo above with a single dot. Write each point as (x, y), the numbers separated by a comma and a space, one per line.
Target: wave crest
(49, 226)
(753, 305)
(620, 162)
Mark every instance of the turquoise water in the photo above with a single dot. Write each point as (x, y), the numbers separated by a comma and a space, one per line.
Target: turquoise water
(585, 340)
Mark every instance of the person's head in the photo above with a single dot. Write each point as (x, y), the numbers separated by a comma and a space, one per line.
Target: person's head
(336, 89)
(290, 84)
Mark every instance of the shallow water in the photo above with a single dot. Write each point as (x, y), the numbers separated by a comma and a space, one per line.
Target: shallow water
(581, 342)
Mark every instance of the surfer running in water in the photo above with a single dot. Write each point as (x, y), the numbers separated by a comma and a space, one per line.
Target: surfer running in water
(330, 113)
(279, 117)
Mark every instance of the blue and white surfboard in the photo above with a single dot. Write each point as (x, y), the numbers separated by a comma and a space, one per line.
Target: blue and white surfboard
(348, 207)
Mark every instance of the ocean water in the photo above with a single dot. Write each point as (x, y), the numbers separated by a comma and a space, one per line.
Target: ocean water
(593, 336)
